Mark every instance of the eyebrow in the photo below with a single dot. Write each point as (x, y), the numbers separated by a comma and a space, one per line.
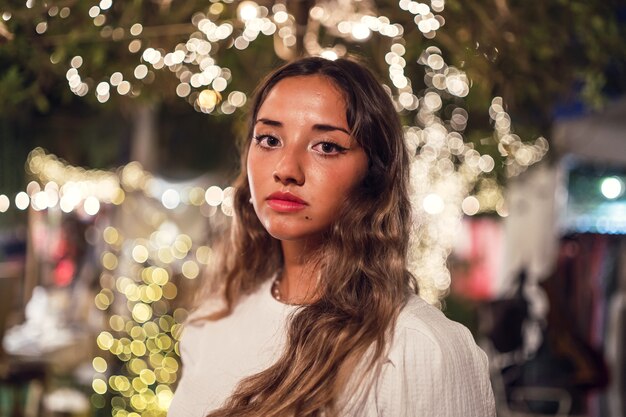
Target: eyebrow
(320, 126)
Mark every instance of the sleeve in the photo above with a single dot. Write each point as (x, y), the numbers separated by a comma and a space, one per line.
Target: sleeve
(441, 375)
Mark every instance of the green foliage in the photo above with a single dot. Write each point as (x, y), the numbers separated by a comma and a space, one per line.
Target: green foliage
(533, 54)
(529, 52)
(13, 89)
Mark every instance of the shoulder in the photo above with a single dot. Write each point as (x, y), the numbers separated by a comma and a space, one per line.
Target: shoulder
(425, 338)
(422, 327)
(433, 367)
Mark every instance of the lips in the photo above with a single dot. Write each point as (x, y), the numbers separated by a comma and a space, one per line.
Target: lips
(285, 202)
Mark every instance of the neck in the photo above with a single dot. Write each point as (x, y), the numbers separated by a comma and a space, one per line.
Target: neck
(298, 281)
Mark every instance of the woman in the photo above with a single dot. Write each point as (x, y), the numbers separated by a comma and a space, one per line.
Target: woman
(320, 315)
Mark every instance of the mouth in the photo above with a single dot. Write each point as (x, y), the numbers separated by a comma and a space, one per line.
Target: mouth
(285, 202)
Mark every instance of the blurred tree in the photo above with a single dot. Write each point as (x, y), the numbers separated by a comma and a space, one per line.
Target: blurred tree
(532, 54)
(536, 54)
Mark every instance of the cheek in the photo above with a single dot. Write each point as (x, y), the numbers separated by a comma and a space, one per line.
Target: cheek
(336, 188)
(258, 173)
(250, 163)
(253, 167)
(349, 177)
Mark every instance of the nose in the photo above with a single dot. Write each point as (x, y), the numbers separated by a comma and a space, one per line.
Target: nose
(289, 170)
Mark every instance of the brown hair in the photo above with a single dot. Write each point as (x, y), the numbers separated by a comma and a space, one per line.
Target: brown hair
(364, 278)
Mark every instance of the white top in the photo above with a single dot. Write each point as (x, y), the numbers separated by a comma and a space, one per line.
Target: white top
(433, 366)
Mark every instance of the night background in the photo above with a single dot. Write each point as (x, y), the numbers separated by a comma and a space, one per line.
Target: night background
(120, 123)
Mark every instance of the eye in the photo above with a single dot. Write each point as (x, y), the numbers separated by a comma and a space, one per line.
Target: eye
(329, 148)
(266, 141)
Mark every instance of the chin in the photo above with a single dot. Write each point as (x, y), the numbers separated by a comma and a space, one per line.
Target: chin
(292, 228)
(290, 233)
(287, 235)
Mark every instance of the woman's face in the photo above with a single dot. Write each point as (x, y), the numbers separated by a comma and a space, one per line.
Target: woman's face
(302, 162)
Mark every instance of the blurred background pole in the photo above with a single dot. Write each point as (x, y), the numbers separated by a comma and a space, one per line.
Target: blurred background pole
(143, 147)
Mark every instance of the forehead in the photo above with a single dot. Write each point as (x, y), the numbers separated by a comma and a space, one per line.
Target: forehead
(312, 94)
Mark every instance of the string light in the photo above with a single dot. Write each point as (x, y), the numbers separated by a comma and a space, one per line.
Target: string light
(451, 166)
(138, 284)
(137, 278)
(519, 155)
(74, 188)
(449, 177)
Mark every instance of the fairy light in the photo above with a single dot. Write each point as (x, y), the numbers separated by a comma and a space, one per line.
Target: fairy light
(137, 279)
(449, 177)
(144, 331)
(470, 205)
(71, 188)
(5, 203)
(247, 10)
(194, 62)
(441, 152)
(22, 200)
(444, 168)
(518, 155)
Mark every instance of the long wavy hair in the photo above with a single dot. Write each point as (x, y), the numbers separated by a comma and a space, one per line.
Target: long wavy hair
(363, 261)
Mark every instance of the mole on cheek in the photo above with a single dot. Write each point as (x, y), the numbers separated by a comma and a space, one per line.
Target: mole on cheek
(307, 217)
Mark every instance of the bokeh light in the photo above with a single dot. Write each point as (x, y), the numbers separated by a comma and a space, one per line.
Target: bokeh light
(612, 188)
